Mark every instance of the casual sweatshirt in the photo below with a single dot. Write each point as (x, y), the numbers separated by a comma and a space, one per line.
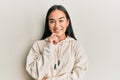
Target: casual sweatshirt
(66, 60)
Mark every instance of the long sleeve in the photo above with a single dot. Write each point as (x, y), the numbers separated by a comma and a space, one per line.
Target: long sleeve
(80, 64)
(79, 68)
(38, 62)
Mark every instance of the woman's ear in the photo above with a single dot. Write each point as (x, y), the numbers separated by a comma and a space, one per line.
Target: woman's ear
(67, 22)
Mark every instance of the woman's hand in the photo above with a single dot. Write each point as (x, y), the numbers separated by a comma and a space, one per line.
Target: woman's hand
(53, 39)
(44, 78)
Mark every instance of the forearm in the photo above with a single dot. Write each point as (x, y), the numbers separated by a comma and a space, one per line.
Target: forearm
(79, 69)
(37, 65)
(67, 76)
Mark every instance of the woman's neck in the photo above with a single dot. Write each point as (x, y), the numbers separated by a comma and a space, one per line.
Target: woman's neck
(62, 37)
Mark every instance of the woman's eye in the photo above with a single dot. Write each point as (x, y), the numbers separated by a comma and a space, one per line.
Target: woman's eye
(51, 21)
(61, 20)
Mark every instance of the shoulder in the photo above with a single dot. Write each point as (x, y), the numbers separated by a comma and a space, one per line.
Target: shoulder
(39, 43)
(74, 42)
(76, 45)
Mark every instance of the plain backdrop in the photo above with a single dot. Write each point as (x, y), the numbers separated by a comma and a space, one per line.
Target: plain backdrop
(96, 24)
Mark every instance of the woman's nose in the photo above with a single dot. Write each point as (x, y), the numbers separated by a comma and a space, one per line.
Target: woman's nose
(57, 24)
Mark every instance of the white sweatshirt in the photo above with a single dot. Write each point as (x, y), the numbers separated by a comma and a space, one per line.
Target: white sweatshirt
(64, 61)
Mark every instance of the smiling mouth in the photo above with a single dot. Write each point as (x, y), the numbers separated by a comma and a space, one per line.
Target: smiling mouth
(57, 31)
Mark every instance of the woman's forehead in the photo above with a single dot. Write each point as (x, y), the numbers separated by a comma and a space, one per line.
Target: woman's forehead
(57, 14)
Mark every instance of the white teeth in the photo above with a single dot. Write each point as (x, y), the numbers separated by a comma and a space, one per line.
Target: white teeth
(57, 30)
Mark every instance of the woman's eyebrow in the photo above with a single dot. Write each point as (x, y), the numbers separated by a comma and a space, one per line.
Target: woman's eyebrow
(58, 18)
(61, 17)
(51, 19)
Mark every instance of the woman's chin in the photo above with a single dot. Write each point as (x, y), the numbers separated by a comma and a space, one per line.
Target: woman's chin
(57, 33)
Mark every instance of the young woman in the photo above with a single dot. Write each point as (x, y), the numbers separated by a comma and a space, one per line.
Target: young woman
(58, 55)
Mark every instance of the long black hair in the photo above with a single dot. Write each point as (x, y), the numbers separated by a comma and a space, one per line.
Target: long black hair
(69, 30)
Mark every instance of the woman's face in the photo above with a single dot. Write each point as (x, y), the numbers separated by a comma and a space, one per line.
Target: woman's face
(58, 23)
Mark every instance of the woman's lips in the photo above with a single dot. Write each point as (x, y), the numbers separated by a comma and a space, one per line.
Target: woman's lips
(57, 31)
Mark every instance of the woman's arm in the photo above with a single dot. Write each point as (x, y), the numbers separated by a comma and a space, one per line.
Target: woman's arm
(38, 63)
(79, 68)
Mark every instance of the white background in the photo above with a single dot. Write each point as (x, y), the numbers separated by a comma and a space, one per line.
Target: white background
(96, 24)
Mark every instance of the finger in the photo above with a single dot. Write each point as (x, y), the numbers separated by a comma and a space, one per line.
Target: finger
(44, 78)
(53, 34)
